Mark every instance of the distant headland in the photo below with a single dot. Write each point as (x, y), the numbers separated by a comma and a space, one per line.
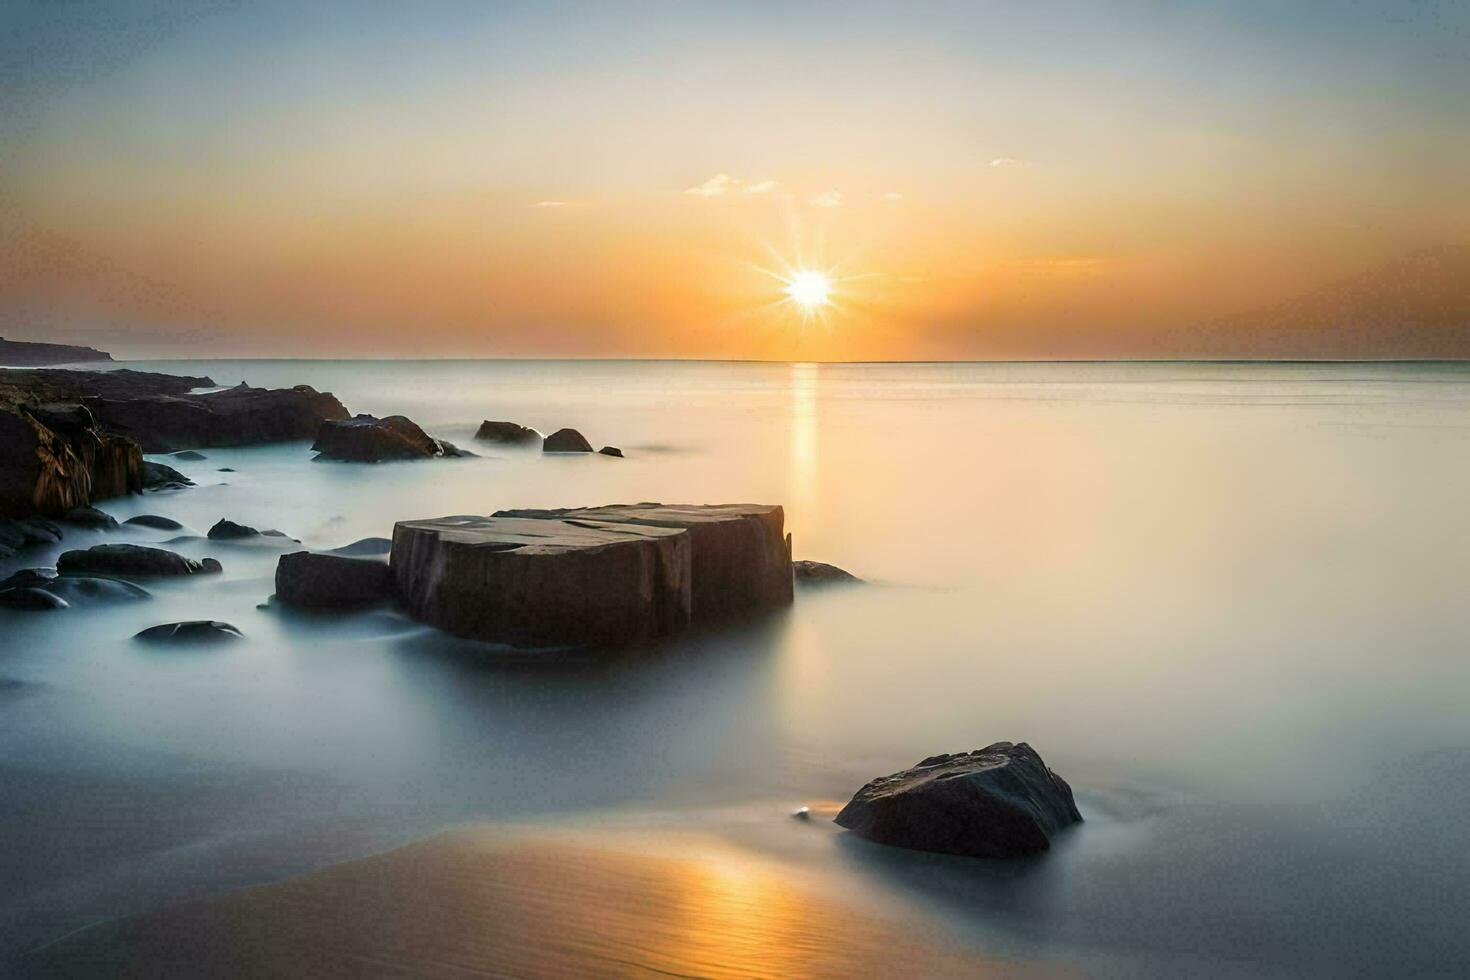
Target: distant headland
(20, 353)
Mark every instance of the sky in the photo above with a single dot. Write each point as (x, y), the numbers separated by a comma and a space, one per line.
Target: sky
(978, 179)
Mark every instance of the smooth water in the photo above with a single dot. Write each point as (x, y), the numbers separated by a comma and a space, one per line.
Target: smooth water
(1226, 601)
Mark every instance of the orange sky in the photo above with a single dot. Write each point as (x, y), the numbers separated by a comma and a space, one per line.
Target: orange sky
(981, 180)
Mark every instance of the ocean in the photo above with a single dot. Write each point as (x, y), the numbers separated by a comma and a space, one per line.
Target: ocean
(1226, 601)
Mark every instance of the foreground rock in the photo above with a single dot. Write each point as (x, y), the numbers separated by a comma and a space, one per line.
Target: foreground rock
(131, 560)
(820, 573)
(566, 441)
(316, 581)
(56, 458)
(999, 801)
(366, 439)
(537, 582)
(30, 599)
(196, 631)
(740, 555)
(161, 476)
(507, 433)
(90, 517)
(227, 530)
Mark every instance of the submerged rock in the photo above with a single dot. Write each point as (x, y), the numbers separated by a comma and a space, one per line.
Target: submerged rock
(611, 451)
(367, 439)
(90, 517)
(27, 599)
(507, 433)
(161, 476)
(820, 573)
(999, 801)
(226, 530)
(199, 631)
(156, 522)
(83, 590)
(566, 441)
(30, 578)
(318, 581)
(189, 455)
(26, 532)
(131, 560)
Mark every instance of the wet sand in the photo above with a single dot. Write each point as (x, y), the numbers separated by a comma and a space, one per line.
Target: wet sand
(489, 901)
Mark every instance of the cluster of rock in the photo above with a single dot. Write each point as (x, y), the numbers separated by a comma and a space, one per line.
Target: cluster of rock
(596, 576)
(239, 416)
(560, 441)
(368, 439)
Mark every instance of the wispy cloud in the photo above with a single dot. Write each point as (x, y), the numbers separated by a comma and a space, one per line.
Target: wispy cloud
(1000, 162)
(831, 199)
(721, 184)
(551, 204)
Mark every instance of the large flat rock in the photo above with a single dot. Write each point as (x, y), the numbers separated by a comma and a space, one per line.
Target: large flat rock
(544, 581)
(741, 553)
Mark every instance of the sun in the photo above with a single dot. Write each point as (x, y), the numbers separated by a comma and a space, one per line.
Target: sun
(809, 289)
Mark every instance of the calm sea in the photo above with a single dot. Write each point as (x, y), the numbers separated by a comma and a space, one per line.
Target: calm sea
(1227, 601)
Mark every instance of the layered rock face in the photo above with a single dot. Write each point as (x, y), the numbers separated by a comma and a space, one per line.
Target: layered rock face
(54, 459)
(999, 801)
(537, 582)
(741, 554)
(238, 416)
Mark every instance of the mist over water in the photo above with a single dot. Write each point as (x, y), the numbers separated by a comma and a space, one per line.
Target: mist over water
(1225, 601)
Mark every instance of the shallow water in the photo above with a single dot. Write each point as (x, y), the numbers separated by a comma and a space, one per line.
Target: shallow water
(1225, 601)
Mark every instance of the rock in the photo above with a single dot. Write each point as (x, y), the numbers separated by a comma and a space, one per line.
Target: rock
(366, 439)
(225, 530)
(131, 560)
(30, 578)
(189, 455)
(225, 469)
(53, 460)
(449, 450)
(25, 532)
(821, 573)
(364, 548)
(30, 600)
(159, 476)
(155, 522)
(611, 451)
(199, 631)
(801, 813)
(507, 433)
(315, 581)
(239, 416)
(999, 801)
(741, 561)
(82, 590)
(536, 582)
(90, 517)
(566, 441)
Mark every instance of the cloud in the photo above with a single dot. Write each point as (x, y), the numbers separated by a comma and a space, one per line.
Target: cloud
(551, 204)
(721, 184)
(831, 199)
(999, 162)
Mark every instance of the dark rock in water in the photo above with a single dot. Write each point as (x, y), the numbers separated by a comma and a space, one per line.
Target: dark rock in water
(566, 441)
(90, 517)
(449, 450)
(199, 631)
(507, 433)
(611, 451)
(535, 582)
(30, 600)
(25, 532)
(57, 457)
(210, 566)
(999, 801)
(238, 416)
(131, 560)
(81, 590)
(225, 530)
(189, 455)
(225, 469)
(30, 578)
(155, 522)
(821, 573)
(313, 581)
(366, 439)
(365, 548)
(159, 476)
(741, 560)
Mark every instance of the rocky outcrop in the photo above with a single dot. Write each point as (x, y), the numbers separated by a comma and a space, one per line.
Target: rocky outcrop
(54, 459)
(317, 581)
(90, 517)
(238, 416)
(541, 582)
(131, 560)
(611, 451)
(815, 573)
(160, 476)
(227, 530)
(741, 557)
(507, 434)
(366, 439)
(196, 631)
(566, 441)
(999, 801)
(27, 354)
